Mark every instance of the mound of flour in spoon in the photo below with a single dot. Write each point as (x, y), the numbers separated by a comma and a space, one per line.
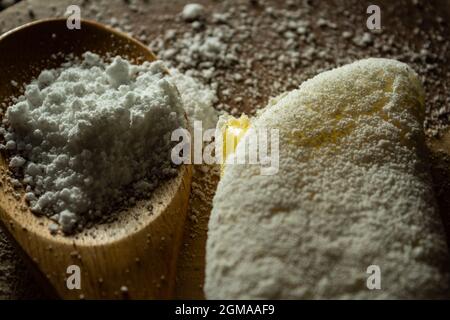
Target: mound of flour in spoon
(83, 133)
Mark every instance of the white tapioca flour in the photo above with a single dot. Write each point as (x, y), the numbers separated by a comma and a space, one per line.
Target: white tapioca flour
(82, 133)
(192, 11)
(198, 99)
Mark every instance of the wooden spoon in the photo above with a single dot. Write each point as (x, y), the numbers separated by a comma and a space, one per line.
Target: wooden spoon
(133, 257)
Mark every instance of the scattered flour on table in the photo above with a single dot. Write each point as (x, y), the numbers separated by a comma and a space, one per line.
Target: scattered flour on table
(192, 11)
(202, 54)
(94, 131)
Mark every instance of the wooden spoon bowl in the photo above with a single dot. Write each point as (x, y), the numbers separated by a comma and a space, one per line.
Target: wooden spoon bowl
(133, 257)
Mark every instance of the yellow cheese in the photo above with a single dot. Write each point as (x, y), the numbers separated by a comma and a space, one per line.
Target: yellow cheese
(232, 130)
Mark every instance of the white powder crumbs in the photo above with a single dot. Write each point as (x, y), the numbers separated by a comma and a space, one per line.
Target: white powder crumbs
(84, 137)
(201, 55)
(192, 12)
(352, 191)
(203, 52)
